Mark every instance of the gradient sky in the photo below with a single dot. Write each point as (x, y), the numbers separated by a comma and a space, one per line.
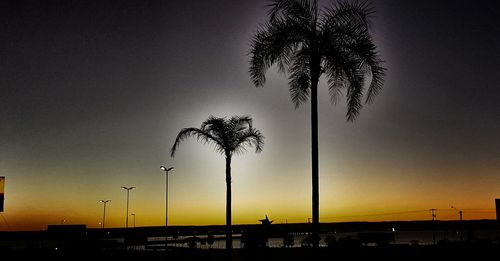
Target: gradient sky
(93, 94)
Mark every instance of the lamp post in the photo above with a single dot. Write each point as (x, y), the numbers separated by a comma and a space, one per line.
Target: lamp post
(166, 201)
(104, 202)
(133, 214)
(128, 190)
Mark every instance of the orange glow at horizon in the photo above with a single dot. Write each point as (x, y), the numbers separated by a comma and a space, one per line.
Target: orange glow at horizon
(41, 221)
(353, 197)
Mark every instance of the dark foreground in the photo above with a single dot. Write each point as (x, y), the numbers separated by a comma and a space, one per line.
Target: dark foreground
(450, 251)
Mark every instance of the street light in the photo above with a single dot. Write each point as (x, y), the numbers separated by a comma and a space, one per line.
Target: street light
(104, 202)
(128, 190)
(134, 218)
(166, 201)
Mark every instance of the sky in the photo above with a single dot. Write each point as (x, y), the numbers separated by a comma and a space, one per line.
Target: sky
(93, 94)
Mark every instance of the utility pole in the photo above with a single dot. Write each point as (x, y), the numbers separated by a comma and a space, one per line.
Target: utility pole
(433, 213)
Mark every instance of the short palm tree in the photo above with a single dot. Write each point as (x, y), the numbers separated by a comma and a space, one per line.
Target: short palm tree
(230, 137)
(306, 42)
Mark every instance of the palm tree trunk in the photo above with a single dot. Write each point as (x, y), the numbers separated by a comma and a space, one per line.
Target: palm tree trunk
(229, 234)
(315, 161)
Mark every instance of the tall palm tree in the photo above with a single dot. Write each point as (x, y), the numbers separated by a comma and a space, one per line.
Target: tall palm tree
(305, 43)
(230, 137)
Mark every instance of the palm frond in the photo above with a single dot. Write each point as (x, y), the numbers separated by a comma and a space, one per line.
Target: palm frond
(374, 65)
(350, 54)
(377, 75)
(362, 47)
(200, 135)
(336, 83)
(339, 45)
(250, 138)
(273, 43)
(300, 79)
(216, 127)
(354, 93)
(298, 10)
(211, 120)
(230, 136)
(346, 71)
(241, 122)
(356, 14)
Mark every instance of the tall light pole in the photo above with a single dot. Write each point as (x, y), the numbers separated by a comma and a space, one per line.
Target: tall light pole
(166, 201)
(128, 190)
(104, 202)
(134, 218)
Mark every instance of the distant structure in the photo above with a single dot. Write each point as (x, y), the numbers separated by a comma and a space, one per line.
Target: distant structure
(258, 238)
(67, 231)
(497, 205)
(266, 221)
(2, 185)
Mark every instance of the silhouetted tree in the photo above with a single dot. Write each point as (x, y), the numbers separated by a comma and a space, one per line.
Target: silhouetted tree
(230, 137)
(305, 43)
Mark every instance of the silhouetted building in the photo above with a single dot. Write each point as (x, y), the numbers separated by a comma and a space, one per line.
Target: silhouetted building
(2, 184)
(258, 238)
(497, 204)
(67, 231)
